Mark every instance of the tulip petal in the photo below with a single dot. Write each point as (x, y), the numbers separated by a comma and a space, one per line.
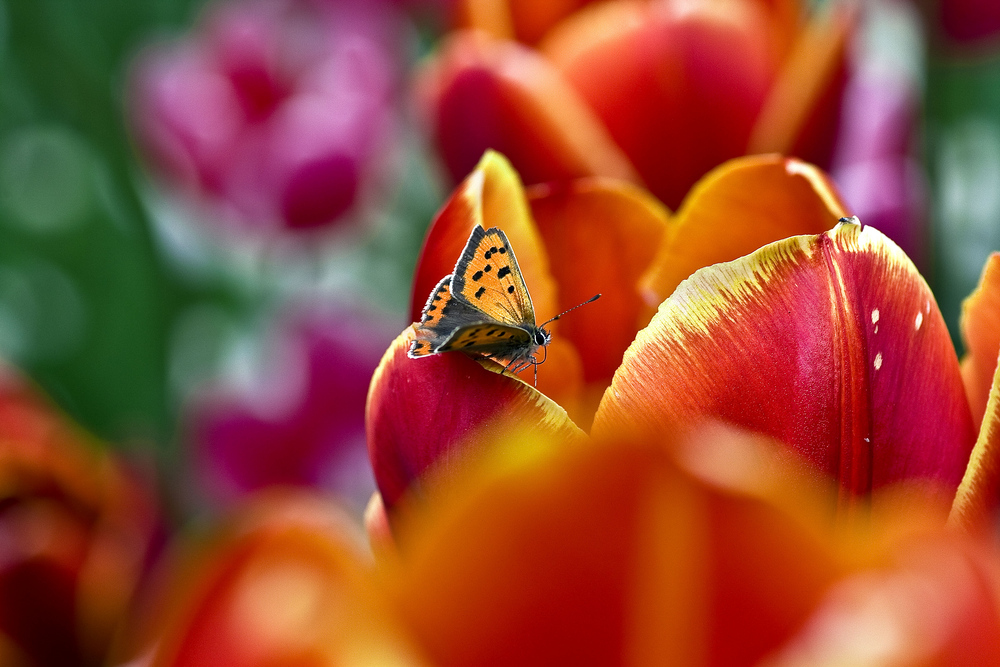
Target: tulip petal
(429, 415)
(978, 496)
(485, 94)
(802, 110)
(736, 209)
(492, 196)
(603, 554)
(677, 87)
(831, 344)
(980, 326)
(600, 236)
(527, 21)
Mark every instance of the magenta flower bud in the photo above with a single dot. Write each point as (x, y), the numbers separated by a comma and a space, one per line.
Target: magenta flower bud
(272, 112)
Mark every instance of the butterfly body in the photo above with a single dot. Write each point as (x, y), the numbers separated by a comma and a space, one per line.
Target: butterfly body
(483, 307)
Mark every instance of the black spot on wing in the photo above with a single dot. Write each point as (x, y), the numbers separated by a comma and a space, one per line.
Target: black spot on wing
(510, 289)
(503, 273)
(477, 275)
(480, 292)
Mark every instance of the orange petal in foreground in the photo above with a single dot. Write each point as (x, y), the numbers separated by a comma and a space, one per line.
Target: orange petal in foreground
(831, 344)
(604, 554)
(737, 208)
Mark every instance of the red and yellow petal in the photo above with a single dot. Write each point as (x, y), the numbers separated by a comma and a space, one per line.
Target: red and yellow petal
(832, 344)
(600, 236)
(980, 326)
(480, 93)
(491, 196)
(739, 207)
(678, 88)
(426, 417)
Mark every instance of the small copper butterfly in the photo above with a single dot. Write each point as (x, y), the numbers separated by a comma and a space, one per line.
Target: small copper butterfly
(483, 307)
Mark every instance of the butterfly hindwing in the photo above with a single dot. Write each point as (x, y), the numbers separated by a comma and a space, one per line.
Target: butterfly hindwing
(443, 315)
(488, 278)
(499, 341)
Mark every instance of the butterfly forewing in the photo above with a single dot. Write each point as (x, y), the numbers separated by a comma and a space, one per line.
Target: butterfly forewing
(488, 278)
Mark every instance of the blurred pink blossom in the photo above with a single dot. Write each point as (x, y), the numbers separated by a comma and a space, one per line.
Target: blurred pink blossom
(298, 419)
(275, 110)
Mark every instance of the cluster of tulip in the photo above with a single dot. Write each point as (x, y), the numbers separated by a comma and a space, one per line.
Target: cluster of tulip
(759, 447)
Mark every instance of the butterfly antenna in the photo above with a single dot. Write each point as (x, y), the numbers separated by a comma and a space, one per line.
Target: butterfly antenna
(590, 300)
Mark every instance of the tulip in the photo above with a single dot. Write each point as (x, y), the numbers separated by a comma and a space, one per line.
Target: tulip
(76, 529)
(589, 236)
(274, 112)
(829, 342)
(658, 93)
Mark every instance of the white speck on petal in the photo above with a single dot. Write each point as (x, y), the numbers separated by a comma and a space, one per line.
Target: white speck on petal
(878, 361)
(867, 440)
(919, 320)
(875, 316)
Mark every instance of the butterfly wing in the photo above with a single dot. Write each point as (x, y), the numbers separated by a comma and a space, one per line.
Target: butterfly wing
(499, 341)
(488, 278)
(443, 315)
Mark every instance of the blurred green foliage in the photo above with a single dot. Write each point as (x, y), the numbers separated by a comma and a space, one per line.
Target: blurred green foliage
(85, 300)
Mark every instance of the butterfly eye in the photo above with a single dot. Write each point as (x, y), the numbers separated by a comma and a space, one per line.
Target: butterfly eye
(541, 338)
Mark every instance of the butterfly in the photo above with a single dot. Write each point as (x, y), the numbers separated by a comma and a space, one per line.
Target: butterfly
(483, 307)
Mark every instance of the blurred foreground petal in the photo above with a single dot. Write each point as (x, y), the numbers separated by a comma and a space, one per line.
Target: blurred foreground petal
(604, 554)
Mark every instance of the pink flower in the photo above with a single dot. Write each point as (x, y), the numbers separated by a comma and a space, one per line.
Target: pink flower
(300, 421)
(273, 110)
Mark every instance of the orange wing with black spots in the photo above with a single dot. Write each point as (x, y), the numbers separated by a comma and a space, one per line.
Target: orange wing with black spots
(497, 340)
(444, 316)
(488, 278)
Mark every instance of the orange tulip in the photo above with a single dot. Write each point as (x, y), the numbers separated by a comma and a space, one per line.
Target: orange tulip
(654, 92)
(75, 528)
